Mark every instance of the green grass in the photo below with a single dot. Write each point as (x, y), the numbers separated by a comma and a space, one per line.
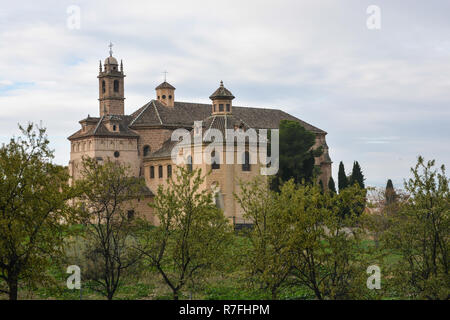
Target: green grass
(228, 284)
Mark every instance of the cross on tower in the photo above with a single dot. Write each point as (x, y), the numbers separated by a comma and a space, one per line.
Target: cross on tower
(165, 75)
(110, 49)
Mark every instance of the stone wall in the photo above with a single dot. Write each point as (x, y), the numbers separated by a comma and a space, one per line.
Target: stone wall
(104, 148)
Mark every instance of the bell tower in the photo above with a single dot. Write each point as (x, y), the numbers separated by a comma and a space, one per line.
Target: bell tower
(111, 86)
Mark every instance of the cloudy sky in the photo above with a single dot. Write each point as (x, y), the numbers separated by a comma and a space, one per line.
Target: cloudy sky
(383, 95)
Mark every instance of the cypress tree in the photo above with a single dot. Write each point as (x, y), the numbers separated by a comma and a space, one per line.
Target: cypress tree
(390, 194)
(331, 185)
(357, 175)
(342, 178)
(389, 184)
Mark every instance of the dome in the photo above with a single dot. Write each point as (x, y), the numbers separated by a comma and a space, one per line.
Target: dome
(111, 60)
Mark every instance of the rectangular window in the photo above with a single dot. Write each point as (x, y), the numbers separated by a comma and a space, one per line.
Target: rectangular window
(246, 164)
(152, 172)
(130, 214)
(160, 172)
(228, 107)
(221, 107)
(169, 171)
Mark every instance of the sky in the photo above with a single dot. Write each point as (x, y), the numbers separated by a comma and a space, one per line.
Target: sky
(382, 94)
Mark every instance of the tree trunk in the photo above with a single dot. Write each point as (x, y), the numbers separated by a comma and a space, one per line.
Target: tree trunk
(175, 295)
(274, 293)
(110, 295)
(12, 284)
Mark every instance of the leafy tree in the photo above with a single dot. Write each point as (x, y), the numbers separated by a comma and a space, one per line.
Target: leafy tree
(267, 258)
(106, 196)
(331, 185)
(390, 194)
(325, 247)
(33, 203)
(419, 233)
(192, 235)
(299, 239)
(296, 154)
(357, 175)
(342, 177)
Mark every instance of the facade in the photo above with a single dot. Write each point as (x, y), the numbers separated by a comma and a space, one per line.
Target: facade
(143, 139)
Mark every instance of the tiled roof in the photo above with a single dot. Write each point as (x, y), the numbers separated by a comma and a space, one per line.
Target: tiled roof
(100, 129)
(222, 93)
(185, 113)
(221, 123)
(164, 151)
(165, 85)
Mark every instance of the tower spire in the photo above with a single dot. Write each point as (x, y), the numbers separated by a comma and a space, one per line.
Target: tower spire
(110, 49)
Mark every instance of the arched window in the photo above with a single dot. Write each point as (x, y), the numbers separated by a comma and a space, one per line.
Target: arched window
(169, 171)
(160, 172)
(246, 162)
(189, 163)
(146, 150)
(215, 160)
(116, 85)
(103, 86)
(152, 172)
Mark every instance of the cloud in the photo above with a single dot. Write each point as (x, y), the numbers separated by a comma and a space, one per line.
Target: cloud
(380, 95)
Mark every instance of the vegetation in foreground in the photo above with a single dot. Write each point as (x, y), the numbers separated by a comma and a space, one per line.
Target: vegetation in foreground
(306, 242)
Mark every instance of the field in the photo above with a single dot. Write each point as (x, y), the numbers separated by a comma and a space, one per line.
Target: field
(146, 284)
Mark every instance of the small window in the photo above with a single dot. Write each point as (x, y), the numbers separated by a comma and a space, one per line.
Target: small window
(215, 161)
(189, 164)
(146, 150)
(169, 171)
(170, 97)
(103, 86)
(228, 107)
(116, 85)
(220, 107)
(152, 172)
(160, 171)
(163, 96)
(246, 164)
(116, 154)
(114, 127)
